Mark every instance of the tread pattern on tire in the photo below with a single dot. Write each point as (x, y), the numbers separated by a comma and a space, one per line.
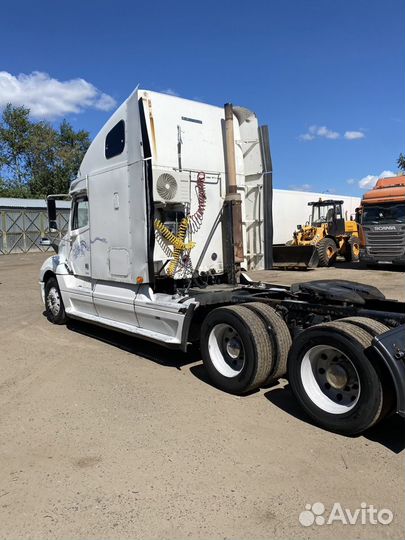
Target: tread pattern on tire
(353, 331)
(375, 328)
(349, 256)
(279, 334)
(263, 345)
(321, 249)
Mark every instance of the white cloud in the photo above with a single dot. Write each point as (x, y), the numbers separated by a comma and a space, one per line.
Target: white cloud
(319, 132)
(171, 92)
(322, 132)
(353, 135)
(49, 98)
(301, 187)
(307, 137)
(367, 182)
(351, 181)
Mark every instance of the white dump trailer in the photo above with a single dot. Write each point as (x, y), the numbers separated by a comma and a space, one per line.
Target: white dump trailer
(171, 204)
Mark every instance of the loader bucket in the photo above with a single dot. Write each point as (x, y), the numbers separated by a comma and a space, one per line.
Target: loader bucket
(295, 257)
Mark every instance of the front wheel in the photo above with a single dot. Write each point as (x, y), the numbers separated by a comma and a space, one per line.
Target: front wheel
(327, 251)
(55, 309)
(334, 380)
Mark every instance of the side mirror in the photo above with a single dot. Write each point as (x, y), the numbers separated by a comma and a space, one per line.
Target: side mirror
(53, 225)
(299, 227)
(45, 242)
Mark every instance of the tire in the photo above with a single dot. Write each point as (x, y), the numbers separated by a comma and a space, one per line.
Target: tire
(279, 335)
(353, 402)
(352, 252)
(55, 309)
(236, 349)
(373, 327)
(327, 251)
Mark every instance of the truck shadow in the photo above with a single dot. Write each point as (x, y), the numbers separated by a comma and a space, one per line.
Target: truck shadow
(389, 433)
(362, 266)
(201, 374)
(140, 347)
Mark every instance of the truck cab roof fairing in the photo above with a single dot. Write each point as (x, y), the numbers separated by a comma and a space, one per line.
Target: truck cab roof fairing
(113, 169)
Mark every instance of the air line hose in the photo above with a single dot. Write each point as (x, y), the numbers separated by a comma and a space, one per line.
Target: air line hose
(177, 241)
(192, 222)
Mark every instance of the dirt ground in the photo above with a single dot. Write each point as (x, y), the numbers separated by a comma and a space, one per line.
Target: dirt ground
(105, 436)
(389, 279)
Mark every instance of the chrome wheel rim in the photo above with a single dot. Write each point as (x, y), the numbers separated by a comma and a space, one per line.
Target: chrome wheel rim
(226, 350)
(330, 379)
(53, 301)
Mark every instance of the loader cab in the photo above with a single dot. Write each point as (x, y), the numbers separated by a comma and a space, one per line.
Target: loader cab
(328, 213)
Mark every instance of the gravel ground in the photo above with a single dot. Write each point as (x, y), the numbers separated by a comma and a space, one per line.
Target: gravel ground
(105, 436)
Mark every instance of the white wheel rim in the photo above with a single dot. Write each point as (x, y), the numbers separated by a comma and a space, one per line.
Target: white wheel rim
(53, 300)
(226, 350)
(330, 379)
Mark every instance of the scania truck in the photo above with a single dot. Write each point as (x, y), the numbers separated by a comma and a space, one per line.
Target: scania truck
(382, 222)
(172, 206)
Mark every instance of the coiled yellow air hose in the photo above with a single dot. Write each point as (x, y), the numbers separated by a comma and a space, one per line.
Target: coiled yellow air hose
(179, 246)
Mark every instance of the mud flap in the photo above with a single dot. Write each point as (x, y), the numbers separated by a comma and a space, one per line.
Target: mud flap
(298, 257)
(390, 347)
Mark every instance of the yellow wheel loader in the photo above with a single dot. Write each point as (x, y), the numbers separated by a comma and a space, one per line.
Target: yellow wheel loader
(329, 233)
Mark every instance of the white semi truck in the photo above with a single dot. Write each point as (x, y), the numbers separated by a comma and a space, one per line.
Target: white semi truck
(170, 208)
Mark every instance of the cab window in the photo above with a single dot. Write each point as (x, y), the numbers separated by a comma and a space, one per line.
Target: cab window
(80, 216)
(338, 212)
(115, 140)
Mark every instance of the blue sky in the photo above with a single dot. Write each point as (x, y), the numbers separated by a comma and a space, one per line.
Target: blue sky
(327, 76)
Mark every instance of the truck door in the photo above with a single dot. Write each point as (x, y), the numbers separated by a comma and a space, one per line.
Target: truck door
(335, 220)
(80, 237)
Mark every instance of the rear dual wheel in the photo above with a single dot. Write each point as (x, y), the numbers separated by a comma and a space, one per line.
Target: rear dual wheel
(236, 349)
(333, 378)
(279, 335)
(244, 347)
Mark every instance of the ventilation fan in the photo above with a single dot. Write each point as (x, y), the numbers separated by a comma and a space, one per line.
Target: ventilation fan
(166, 186)
(171, 187)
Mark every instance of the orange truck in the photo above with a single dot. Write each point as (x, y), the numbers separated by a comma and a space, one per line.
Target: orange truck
(381, 219)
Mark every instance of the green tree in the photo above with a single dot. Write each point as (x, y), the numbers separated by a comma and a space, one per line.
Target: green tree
(35, 158)
(15, 128)
(401, 161)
